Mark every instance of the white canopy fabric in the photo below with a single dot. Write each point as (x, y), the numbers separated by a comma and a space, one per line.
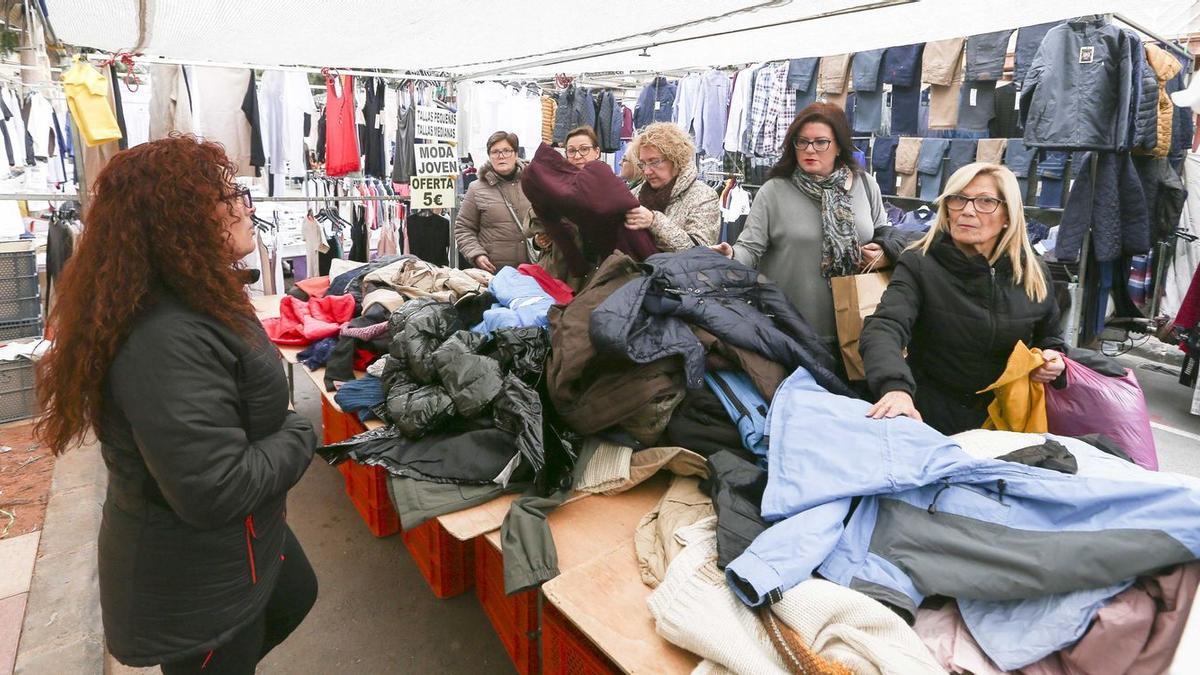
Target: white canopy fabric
(535, 37)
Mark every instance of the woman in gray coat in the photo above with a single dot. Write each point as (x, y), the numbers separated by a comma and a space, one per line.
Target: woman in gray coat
(819, 215)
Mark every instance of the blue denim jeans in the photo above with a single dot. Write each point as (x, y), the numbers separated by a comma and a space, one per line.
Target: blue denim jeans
(962, 153)
(976, 105)
(1029, 39)
(802, 73)
(883, 161)
(1018, 158)
(906, 107)
(805, 98)
(865, 69)
(930, 166)
(1052, 166)
(985, 56)
(902, 65)
(868, 111)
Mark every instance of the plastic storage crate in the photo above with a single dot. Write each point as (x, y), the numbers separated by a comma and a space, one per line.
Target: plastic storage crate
(566, 651)
(21, 328)
(18, 264)
(514, 617)
(367, 488)
(18, 398)
(19, 298)
(447, 564)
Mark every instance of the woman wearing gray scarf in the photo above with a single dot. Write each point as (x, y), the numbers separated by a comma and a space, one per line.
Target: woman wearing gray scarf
(819, 215)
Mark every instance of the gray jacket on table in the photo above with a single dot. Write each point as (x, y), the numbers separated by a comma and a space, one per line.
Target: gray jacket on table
(486, 226)
(1079, 89)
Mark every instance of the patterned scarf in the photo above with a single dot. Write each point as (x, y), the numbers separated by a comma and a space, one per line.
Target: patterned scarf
(840, 253)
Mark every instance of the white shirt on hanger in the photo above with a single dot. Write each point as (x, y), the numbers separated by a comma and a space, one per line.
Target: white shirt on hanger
(286, 98)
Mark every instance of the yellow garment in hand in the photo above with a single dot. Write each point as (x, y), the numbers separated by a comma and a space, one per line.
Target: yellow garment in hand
(87, 97)
(1020, 403)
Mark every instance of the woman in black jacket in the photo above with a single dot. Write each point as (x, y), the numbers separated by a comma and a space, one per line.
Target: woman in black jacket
(157, 348)
(959, 300)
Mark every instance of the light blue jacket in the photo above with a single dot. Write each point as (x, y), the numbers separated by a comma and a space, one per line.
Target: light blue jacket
(520, 302)
(999, 536)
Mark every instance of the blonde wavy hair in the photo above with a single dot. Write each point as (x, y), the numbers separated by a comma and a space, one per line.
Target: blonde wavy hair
(1013, 241)
(670, 140)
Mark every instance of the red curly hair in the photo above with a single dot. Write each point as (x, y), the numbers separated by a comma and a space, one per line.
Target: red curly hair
(153, 223)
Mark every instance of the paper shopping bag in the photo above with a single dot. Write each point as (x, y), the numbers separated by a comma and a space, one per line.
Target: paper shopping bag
(854, 299)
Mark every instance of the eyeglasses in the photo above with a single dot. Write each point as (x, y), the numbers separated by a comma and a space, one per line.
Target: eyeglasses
(652, 164)
(820, 145)
(581, 151)
(247, 198)
(982, 204)
(506, 152)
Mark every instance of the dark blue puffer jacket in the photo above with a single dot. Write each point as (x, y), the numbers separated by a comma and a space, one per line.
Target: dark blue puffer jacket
(652, 317)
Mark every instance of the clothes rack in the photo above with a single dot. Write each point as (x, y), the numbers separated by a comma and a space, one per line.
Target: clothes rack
(149, 60)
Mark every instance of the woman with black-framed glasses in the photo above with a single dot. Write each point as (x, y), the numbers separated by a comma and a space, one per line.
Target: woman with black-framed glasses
(818, 216)
(490, 229)
(959, 300)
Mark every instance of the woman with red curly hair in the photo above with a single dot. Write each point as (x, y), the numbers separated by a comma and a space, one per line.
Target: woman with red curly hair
(157, 349)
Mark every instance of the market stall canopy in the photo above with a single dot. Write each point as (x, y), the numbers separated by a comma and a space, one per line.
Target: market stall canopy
(471, 38)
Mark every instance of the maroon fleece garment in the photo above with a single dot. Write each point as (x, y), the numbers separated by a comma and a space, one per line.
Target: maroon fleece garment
(593, 198)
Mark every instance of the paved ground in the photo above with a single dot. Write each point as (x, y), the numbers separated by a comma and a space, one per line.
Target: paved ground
(375, 614)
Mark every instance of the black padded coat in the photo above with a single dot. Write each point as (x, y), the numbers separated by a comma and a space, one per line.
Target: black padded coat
(201, 451)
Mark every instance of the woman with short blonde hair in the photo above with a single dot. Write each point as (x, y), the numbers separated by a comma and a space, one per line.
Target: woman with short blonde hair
(679, 210)
(959, 301)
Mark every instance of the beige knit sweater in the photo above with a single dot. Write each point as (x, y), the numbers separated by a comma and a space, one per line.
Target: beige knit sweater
(694, 608)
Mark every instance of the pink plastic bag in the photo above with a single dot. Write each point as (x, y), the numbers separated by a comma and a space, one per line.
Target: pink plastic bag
(1092, 403)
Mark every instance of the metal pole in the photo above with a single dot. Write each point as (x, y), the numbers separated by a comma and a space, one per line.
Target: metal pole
(149, 60)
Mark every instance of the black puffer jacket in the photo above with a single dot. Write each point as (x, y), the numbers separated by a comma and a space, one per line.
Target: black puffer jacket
(201, 450)
(960, 319)
(651, 318)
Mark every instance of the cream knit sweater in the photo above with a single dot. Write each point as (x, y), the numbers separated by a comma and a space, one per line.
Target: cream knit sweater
(694, 609)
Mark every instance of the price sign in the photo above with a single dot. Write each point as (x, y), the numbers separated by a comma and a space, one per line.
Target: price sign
(432, 192)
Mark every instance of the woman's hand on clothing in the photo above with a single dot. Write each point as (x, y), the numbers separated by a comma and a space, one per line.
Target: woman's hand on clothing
(640, 218)
(873, 258)
(724, 249)
(892, 404)
(484, 263)
(1051, 369)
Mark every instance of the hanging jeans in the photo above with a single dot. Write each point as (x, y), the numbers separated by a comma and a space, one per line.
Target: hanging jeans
(868, 111)
(883, 161)
(1018, 158)
(976, 106)
(906, 108)
(902, 65)
(985, 55)
(802, 76)
(1052, 165)
(962, 153)
(929, 165)
(907, 153)
(1029, 40)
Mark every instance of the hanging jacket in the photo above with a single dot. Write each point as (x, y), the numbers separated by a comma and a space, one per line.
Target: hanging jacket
(649, 318)
(656, 103)
(608, 123)
(1164, 67)
(1108, 200)
(1143, 104)
(201, 450)
(576, 107)
(486, 226)
(933, 520)
(1066, 103)
(959, 319)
